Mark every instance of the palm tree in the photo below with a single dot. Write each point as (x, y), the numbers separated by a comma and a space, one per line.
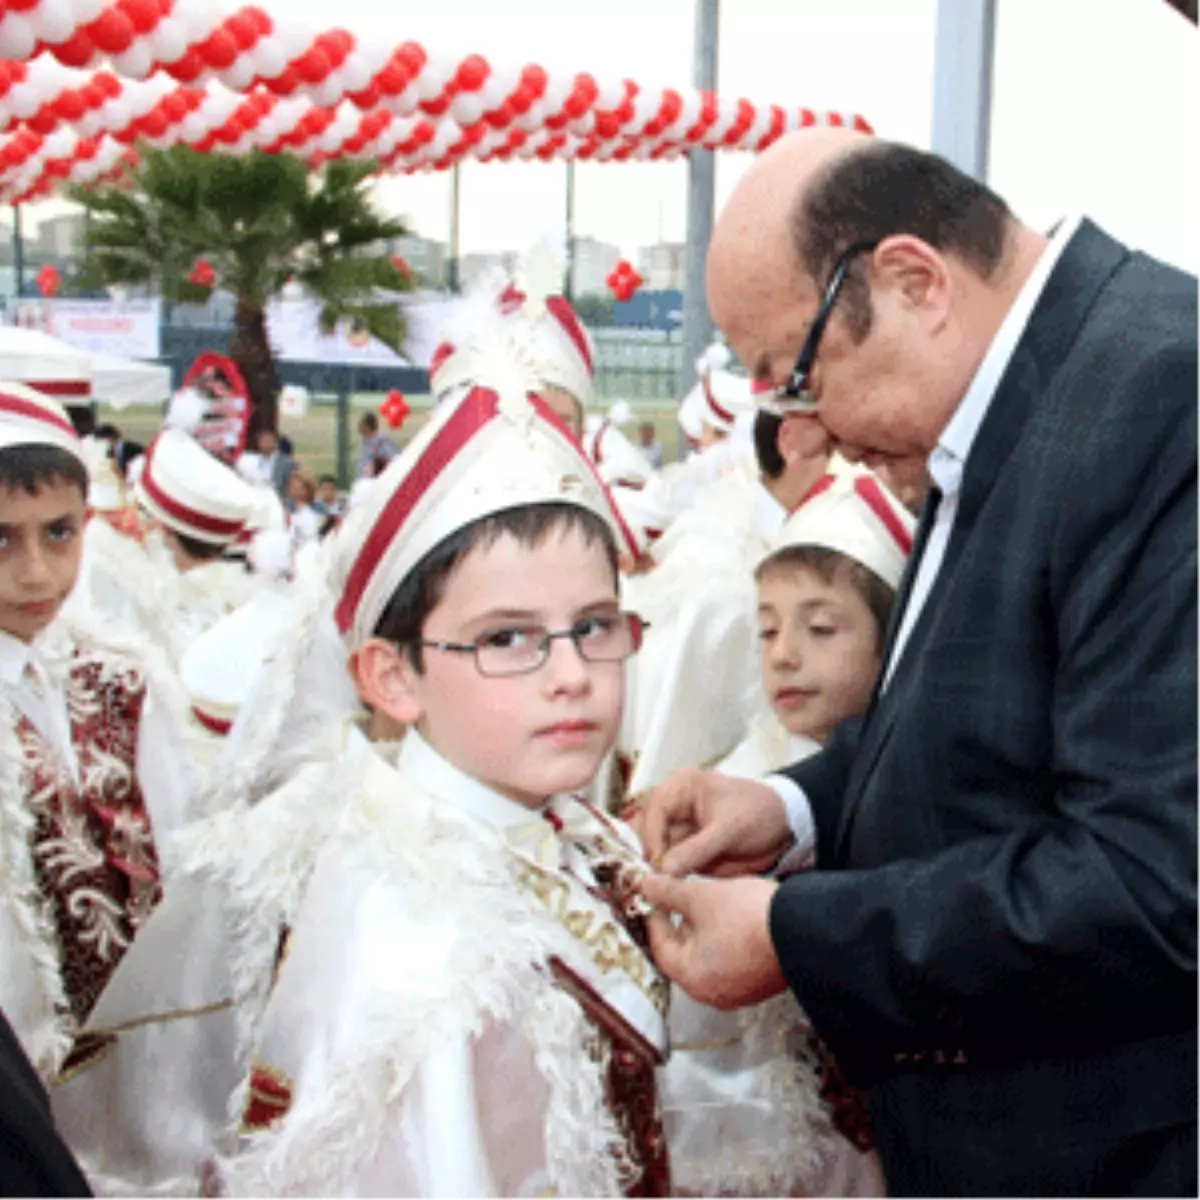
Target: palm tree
(259, 220)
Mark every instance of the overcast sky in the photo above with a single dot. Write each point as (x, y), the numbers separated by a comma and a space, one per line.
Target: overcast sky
(1095, 104)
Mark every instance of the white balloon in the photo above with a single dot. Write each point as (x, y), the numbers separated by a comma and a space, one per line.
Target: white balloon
(610, 94)
(467, 108)
(23, 99)
(87, 11)
(329, 91)
(533, 118)
(405, 104)
(239, 74)
(193, 128)
(356, 71)
(558, 88)
(168, 42)
(59, 144)
(434, 76)
(268, 57)
(292, 38)
(135, 63)
(17, 36)
(196, 19)
(645, 105)
(89, 124)
(54, 20)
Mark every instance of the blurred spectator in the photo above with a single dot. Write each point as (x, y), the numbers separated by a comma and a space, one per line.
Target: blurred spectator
(649, 444)
(305, 521)
(327, 502)
(377, 448)
(119, 450)
(276, 465)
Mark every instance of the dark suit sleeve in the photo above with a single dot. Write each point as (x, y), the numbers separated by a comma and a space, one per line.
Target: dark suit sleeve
(1050, 930)
(822, 778)
(33, 1159)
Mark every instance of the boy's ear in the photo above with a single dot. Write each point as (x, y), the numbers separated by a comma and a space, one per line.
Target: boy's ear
(387, 680)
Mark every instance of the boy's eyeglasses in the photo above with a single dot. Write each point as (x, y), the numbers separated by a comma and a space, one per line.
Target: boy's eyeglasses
(793, 396)
(522, 649)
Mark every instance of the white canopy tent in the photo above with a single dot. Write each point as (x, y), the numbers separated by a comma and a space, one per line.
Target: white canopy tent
(76, 376)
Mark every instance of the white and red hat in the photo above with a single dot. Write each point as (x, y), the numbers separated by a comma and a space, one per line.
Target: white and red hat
(855, 514)
(542, 325)
(616, 458)
(494, 447)
(31, 418)
(191, 492)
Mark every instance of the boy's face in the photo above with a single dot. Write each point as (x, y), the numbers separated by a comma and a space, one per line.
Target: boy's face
(820, 651)
(710, 436)
(327, 492)
(564, 406)
(41, 541)
(529, 736)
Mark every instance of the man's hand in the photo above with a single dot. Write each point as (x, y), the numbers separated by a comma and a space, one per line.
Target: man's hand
(701, 821)
(720, 953)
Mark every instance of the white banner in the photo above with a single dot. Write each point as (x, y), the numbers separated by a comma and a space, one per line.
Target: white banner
(294, 331)
(128, 330)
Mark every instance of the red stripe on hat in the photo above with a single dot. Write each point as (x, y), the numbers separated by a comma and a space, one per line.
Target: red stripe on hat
(27, 408)
(597, 457)
(221, 527)
(560, 308)
(822, 485)
(440, 355)
(468, 419)
(550, 415)
(723, 413)
(61, 387)
(212, 724)
(872, 493)
(759, 386)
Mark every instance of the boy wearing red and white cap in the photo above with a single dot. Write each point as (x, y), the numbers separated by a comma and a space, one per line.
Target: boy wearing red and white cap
(494, 1024)
(825, 591)
(93, 778)
(196, 509)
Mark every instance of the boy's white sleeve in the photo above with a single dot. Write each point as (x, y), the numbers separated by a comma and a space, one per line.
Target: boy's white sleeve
(799, 818)
(165, 773)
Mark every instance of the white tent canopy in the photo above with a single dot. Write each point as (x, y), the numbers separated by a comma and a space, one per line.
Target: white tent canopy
(76, 376)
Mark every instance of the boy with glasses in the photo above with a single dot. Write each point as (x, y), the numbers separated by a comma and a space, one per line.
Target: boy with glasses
(463, 1005)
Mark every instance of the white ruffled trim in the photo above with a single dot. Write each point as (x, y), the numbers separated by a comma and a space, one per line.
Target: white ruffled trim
(426, 850)
(50, 1042)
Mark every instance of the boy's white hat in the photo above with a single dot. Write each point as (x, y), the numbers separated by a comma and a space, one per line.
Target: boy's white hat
(192, 493)
(616, 458)
(643, 512)
(31, 418)
(540, 321)
(691, 411)
(855, 514)
(494, 447)
(726, 397)
(105, 491)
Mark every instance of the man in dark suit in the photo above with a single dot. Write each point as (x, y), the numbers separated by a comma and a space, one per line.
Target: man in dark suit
(119, 450)
(34, 1161)
(999, 938)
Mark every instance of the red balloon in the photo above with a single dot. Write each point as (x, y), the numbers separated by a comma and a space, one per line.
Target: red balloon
(48, 280)
(394, 77)
(22, 5)
(91, 96)
(521, 100)
(69, 105)
(472, 73)
(438, 105)
(43, 121)
(412, 56)
(144, 15)
(186, 69)
(501, 117)
(77, 51)
(154, 123)
(395, 409)
(313, 66)
(218, 50)
(338, 45)
(242, 29)
(534, 77)
(368, 98)
(262, 20)
(283, 84)
(112, 31)
(108, 83)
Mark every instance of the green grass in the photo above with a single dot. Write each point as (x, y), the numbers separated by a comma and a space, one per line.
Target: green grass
(314, 436)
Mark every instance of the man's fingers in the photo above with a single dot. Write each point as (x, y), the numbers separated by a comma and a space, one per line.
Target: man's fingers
(697, 854)
(668, 804)
(666, 944)
(671, 895)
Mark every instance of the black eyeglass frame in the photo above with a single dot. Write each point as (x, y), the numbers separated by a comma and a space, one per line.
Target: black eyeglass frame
(797, 384)
(636, 624)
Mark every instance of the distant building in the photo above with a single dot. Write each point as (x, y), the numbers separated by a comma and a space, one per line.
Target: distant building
(59, 237)
(594, 261)
(662, 266)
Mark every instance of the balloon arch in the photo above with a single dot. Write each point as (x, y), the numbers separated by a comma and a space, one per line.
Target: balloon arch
(83, 81)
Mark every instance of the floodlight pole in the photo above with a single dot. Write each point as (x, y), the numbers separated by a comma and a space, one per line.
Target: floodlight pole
(569, 273)
(697, 324)
(452, 257)
(962, 83)
(18, 253)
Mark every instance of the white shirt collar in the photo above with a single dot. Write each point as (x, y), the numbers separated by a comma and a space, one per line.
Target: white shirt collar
(422, 765)
(950, 455)
(769, 514)
(15, 656)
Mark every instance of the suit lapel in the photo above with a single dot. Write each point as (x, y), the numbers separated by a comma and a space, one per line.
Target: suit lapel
(1085, 266)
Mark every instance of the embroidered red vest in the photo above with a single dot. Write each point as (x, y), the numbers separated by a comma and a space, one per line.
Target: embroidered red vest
(93, 847)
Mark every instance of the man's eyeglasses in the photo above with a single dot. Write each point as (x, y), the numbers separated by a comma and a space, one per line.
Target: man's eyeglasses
(522, 649)
(793, 396)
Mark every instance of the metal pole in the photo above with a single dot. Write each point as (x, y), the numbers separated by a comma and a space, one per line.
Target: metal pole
(697, 324)
(345, 388)
(569, 282)
(962, 83)
(18, 252)
(452, 259)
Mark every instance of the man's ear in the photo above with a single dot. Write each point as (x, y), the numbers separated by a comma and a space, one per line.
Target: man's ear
(387, 680)
(916, 271)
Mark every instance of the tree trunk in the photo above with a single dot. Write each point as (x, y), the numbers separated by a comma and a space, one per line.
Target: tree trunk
(249, 348)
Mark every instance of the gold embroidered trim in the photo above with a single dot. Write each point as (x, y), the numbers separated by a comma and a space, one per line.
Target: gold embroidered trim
(611, 946)
(162, 1018)
(92, 1049)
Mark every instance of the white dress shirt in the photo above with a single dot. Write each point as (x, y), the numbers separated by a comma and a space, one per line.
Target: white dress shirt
(946, 466)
